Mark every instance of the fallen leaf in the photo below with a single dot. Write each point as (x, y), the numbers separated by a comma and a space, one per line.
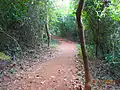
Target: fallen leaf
(65, 79)
(42, 82)
(52, 76)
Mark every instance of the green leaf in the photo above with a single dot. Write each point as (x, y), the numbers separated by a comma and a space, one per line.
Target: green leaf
(12, 70)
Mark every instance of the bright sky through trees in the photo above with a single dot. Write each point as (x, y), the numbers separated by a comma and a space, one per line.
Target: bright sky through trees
(63, 5)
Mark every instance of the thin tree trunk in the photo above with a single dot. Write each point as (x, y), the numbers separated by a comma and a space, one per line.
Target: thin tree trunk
(83, 48)
(46, 24)
(97, 38)
(47, 32)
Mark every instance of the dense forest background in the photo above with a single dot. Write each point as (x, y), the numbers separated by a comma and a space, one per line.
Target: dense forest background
(25, 24)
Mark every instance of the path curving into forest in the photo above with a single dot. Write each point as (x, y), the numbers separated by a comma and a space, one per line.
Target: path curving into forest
(56, 74)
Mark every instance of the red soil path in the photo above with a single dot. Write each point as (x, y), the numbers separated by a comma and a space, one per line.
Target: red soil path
(56, 74)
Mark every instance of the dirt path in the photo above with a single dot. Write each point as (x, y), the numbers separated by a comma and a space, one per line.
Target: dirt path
(56, 74)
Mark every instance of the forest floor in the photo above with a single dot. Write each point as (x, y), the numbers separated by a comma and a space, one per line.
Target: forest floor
(59, 73)
(57, 68)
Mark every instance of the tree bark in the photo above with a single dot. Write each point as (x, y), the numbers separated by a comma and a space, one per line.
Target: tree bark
(82, 41)
(47, 32)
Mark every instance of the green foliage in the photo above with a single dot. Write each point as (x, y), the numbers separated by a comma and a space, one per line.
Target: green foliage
(112, 59)
(91, 51)
(102, 30)
(4, 57)
(53, 43)
(109, 58)
(62, 21)
(78, 46)
(20, 17)
(12, 70)
(79, 50)
(114, 9)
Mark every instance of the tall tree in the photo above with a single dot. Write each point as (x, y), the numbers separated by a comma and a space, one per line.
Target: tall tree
(82, 40)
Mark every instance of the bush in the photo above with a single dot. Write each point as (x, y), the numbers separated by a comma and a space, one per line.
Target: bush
(4, 57)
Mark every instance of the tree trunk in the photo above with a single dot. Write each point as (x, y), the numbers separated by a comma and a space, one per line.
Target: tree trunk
(47, 32)
(97, 38)
(83, 48)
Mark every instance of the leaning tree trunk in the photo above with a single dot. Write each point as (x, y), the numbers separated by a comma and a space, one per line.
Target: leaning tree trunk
(82, 40)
